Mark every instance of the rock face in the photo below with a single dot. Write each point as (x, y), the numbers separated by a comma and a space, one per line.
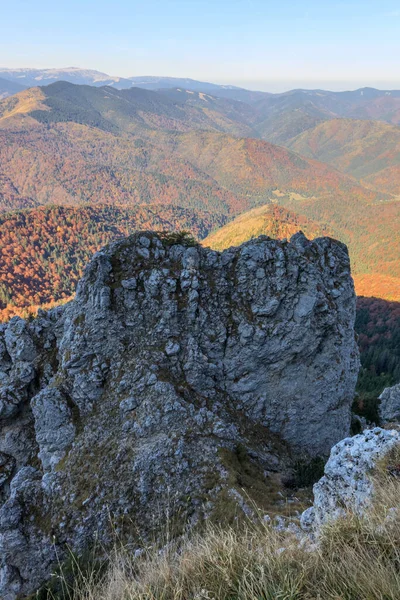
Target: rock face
(346, 484)
(389, 408)
(173, 368)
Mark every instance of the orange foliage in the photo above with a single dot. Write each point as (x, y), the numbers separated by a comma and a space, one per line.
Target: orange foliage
(43, 251)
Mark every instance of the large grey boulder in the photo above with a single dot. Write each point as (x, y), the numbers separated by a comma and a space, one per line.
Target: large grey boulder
(175, 368)
(347, 484)
(389, 408)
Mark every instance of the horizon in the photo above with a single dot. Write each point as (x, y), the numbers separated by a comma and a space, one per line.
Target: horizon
(248, 43)
(267, 86)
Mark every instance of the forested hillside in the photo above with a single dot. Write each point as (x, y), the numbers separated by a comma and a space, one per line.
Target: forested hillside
(371, 233)
(43, 251)
(114, 110)
(369, 230)
(378, 328)
(367, 150)
(69, 144)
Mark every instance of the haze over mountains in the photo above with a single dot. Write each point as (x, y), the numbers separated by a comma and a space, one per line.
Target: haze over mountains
(34, 77)
(8, 88)
(365, 103)
(199, 154)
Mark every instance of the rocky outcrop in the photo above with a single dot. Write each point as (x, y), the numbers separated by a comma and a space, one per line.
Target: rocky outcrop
(389, 407)
(347, 485)
(174, 368)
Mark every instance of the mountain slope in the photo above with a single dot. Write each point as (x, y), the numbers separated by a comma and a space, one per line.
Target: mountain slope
(17, 110)
(71, 163)
(281, 128)
(229, 109)
(280, 117)
(126, 110)
(272, 220)
(370, 231)
(69, 144)
(259, 170)
(376, 104)
(364, 103)
(10, 197)
(8, 88)
(367, 150)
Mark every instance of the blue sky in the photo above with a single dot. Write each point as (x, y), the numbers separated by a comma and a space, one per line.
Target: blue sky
(254, 43)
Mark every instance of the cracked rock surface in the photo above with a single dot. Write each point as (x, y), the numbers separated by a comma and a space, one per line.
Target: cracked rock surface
(174, 370)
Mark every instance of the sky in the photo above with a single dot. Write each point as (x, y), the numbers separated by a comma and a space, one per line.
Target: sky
(259, 44)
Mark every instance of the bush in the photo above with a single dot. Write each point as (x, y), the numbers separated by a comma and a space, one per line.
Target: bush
(184, 238)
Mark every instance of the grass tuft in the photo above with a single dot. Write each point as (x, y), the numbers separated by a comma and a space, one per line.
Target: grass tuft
(358, 558)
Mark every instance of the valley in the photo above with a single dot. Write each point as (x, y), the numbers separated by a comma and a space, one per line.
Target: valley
(67, 144)
(81, 165)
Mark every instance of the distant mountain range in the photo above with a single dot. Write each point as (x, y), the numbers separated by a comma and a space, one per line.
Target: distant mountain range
(39, 77)
(159, 83)
(295, 109)
(198, 158)
(67, 144)
(8, 88)
(34, 77)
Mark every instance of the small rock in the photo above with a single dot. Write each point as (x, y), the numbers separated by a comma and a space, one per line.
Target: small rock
(172, 348)
(389, 408)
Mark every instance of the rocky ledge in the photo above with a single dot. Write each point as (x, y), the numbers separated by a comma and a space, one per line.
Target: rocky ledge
(173, 367)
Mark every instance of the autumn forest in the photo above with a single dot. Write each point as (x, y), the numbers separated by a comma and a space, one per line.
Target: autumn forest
(83, 165)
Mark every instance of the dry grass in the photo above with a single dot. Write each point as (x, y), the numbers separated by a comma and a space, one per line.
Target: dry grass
(22, 104)
(357, 559)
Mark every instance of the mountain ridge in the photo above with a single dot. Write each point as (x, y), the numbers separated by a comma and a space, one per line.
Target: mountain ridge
(136, 145)
(366, 103)
(71, 145)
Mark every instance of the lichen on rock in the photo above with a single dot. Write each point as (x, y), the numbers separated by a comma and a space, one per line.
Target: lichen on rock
(347, 485)
(128, 400)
